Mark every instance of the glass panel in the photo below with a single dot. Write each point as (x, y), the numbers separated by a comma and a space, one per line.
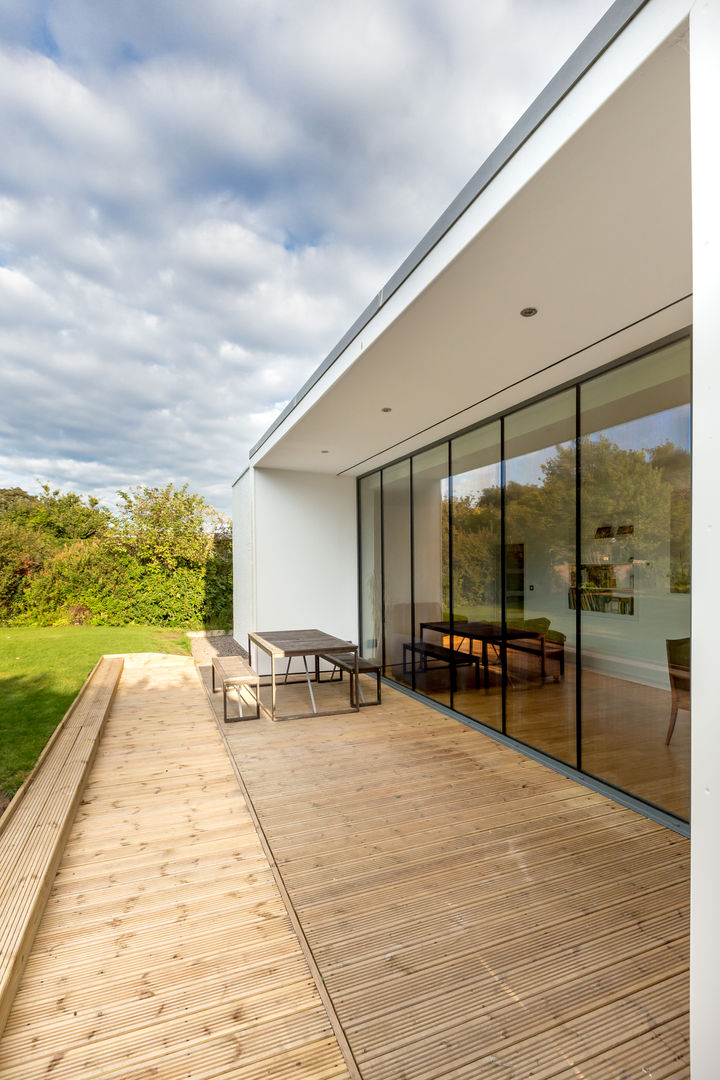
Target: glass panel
(370, 568)
(634, 581)
(396, 540)
(540, 498)
(432, 671)
(476, 573)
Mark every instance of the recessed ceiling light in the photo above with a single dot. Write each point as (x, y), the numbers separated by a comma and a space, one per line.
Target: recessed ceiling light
(528, 312)
(386, 408)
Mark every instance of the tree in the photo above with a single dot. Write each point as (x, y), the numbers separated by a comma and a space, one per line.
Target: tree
(165, 558)
(167, 525)
(33, 528)
(62, 516)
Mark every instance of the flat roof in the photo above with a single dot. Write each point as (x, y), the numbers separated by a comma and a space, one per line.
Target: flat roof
(590, 49)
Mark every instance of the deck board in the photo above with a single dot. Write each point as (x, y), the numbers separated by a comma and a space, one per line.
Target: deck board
(473, 913)
(165, 948)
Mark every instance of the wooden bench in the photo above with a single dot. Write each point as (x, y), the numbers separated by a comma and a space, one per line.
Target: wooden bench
(346, 662)
(538, 645)
(454, 657)
(36, 824)
(235, 671)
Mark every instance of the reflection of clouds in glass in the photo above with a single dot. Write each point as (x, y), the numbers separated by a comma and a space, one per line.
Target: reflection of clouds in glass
(642, 433)
(473, 483)
(528, 469)
(646, 432)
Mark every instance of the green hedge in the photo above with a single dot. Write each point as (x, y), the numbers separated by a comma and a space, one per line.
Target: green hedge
(102, 584)
(164, 560)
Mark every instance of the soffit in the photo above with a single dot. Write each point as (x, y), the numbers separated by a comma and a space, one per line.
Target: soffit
(597, 241)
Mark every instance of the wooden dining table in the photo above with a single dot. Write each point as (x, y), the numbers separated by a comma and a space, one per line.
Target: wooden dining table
(286, 644)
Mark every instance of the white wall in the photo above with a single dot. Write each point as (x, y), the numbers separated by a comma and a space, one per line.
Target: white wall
(243, 556)
(705, 783)
(628, 647)
(305, 548)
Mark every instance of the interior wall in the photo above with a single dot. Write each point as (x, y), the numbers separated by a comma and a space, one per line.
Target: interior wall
(428, 508)
(624, 646)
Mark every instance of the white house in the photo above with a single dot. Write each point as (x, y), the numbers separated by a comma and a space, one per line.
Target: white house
(494, 461)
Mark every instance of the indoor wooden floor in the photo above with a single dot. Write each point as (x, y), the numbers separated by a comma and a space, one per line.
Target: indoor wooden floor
(473, 914)
(166, 949)
(624, 725)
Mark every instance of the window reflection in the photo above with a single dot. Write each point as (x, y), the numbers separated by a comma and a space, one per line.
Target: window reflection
(476, 575)
(370, 567)
(540, 500)
(433, 670)
(476, 562)
(396, 567)
(634, 580)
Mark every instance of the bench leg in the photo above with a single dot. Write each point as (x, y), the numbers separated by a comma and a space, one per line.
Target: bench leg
(212, 669)
(363, 702)
(254, 690)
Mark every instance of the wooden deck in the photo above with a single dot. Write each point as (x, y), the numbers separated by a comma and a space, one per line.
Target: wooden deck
(473, 914)
(468, 914)
(165, 949)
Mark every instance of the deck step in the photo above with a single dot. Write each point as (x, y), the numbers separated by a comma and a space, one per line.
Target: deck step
(35, 826)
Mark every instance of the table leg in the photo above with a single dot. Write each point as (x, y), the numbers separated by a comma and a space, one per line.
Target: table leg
(307, 676)
(272, 688)
(358, 691)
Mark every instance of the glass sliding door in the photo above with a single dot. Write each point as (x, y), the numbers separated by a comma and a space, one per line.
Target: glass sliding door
(533, 574)
(539, 553)
(633, 583)
(476, 573)
(432, 674)
(370, 567)
(396, 570)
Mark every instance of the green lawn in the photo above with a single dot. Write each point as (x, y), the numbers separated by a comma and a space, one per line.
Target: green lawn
(42, 670)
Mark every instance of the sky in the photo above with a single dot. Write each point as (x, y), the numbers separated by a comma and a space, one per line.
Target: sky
(199, 197)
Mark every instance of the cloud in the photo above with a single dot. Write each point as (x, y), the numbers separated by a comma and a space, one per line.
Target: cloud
(200, 199)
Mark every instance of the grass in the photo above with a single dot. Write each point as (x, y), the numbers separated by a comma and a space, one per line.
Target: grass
(41, 672)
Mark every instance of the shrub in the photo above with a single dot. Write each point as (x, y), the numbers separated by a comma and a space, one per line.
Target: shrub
(165, 561)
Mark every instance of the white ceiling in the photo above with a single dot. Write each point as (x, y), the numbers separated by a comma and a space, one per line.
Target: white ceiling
(597, 241)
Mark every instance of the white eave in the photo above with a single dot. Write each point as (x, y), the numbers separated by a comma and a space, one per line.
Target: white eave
(583, 212)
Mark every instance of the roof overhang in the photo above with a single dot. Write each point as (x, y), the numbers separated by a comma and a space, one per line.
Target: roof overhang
(587, 219)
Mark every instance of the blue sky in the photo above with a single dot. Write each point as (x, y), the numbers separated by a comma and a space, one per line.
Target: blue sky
(197, 200)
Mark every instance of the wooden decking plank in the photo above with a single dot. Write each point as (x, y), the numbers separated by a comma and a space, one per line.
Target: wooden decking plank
(636, 898)
(388, 837)
(542, 993)
(165, 946)
(470, 914)
(34, 829)
(598, 846)
(531, 971)
(533, 1042)
(542, 903)
(413, 850)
